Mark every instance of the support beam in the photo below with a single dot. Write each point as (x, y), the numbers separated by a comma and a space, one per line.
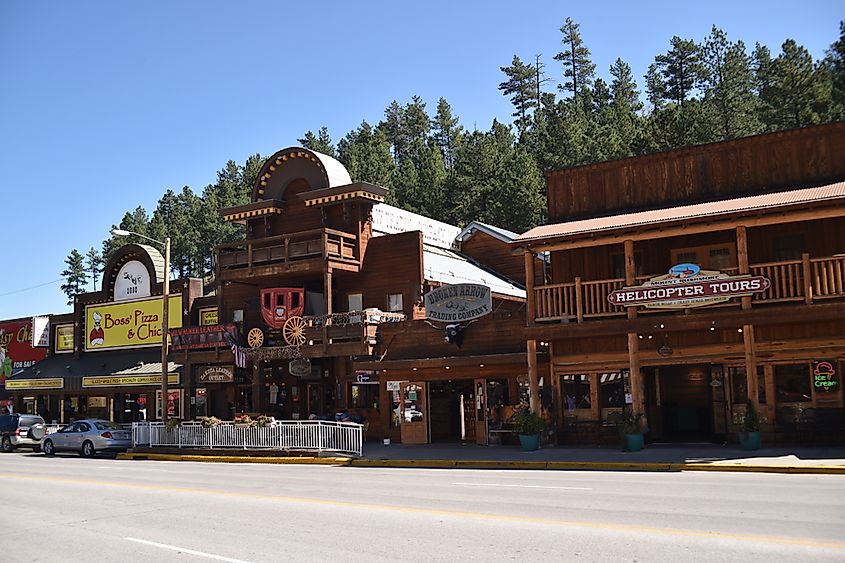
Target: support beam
(630, 272)
(638, 405)
(742, 258)
(529, 285)
(533, 378)
(751, 365)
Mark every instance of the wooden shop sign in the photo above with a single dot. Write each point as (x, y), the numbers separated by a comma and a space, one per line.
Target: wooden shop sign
(459, 302)
(218, 374)
(687, 286)
(205, 336)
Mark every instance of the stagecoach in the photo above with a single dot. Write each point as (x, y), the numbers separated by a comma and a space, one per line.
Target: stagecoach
(281, 309)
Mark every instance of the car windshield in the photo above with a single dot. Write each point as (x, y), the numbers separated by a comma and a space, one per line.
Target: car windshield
(105, 425)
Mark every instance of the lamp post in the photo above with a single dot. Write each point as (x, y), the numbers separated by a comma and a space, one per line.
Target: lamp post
(165, 309)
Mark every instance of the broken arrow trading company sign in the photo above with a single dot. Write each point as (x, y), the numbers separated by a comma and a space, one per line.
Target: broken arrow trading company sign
(459, 302)
(685, 286)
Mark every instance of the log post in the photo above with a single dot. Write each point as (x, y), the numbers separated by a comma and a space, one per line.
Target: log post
(742, 258)
(751, 365)
(630, 273)
(638, 404)
(533, 378)
(529, 286)
(579, 300)
(808, 283)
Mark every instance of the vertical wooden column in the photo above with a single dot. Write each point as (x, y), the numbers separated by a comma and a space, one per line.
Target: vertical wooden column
(769, 374)
(751, 365)
(742, 258)
(533, 378)
(258, 386)
(557, 391)
(637, 405)
(529, 285)
(327, 297)
(630, 272)
(595, 407)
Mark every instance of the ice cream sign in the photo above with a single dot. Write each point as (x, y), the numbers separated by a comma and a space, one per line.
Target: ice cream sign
(824, 376)
(687, 285)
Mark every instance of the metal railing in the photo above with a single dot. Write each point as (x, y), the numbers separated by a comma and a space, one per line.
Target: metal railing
(316, 436)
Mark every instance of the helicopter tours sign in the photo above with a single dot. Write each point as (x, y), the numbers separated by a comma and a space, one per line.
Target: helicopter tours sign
(459, 302)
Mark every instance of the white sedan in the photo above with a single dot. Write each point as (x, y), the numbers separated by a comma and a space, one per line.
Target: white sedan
(87, 437)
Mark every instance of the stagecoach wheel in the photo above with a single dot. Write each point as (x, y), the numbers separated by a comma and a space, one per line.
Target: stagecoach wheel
(294, 331)
(255, 337)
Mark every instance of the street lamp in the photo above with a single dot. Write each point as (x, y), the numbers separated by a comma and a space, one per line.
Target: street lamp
(165, 294)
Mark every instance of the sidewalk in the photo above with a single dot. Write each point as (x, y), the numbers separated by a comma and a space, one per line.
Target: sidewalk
(654, 457)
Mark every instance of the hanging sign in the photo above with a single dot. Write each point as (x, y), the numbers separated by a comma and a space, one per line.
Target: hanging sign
(825, 378)
(218, 374)
(300, 367)
(686, 286)
(64, 339)
(196, 337)
(16, 350)
(40, 332)
(459, 302)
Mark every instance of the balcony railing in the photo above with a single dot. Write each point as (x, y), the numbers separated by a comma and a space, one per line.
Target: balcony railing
(304, 245)
(804, 280)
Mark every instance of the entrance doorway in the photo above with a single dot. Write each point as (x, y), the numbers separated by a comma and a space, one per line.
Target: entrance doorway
(452, 410)
(679, 402)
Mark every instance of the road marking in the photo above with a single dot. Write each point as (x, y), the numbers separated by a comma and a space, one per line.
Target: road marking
(524, 486)
(188, 551)
(440, 513)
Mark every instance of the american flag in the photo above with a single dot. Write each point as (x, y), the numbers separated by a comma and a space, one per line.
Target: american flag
(240, 355)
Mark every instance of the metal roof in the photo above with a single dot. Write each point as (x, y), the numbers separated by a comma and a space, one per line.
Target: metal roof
(391, 220)
(499, 233)
(771, 201)
(149, 368)
(448, 267)
(336, 172)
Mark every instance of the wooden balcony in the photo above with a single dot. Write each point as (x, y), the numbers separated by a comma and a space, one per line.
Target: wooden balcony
(807, 280)
(321, 245)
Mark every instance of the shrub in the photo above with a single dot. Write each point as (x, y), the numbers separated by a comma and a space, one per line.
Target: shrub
(632, 423)
(527, 422)
(750, 420)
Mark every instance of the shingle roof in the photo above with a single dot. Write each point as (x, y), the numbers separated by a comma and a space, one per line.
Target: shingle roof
(771, 201)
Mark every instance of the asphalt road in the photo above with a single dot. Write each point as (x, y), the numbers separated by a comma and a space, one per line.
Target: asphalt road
(71, 509)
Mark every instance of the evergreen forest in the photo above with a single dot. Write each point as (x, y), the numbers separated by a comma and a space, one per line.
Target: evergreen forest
(566, 112)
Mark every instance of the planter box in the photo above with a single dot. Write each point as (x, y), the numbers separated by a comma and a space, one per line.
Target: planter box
(529, 442)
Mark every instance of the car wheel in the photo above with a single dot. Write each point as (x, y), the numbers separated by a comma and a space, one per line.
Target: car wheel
(88, 449)
(6, 445)
(48, 447)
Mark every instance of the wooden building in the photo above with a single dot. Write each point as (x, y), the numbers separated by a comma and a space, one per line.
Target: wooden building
(684, 284)
(325, 293)
(104, 358)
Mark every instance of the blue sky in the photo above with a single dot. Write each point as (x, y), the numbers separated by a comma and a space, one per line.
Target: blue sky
(104, 105)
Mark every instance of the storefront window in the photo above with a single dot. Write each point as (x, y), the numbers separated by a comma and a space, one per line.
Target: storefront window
(364, 396)
(739, 385)
(576, 392)
(792, 383)
(611, 390)
(202, 401)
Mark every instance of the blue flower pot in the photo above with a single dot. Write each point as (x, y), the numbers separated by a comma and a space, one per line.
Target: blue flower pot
(749, 440)
(634, 442)
(530, 442)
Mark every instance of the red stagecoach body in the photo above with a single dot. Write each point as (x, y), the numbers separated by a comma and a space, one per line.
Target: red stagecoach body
(278, 304)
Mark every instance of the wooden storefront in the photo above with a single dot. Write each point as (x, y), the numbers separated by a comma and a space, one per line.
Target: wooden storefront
(769, 208)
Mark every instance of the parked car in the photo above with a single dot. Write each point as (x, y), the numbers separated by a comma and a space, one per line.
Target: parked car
(21, 430)
(88, 437)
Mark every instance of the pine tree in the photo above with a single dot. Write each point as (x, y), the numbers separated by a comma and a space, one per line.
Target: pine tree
(93, 264)
(521, 87)
(365, 152)
(137, 222)
(578, 70)
(75, 276)
(835, 63)
(800, 93)
(446, 131)
(681, 69)
(728, 87)
(321, 142)
(626, 107)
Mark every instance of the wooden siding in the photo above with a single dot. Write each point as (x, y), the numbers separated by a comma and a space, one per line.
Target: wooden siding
(771, 162)
(498, 256)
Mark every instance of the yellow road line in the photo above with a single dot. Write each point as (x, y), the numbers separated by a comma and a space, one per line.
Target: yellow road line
(678, 532)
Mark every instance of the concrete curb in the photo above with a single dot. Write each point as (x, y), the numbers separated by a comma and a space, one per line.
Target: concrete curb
(491, 464)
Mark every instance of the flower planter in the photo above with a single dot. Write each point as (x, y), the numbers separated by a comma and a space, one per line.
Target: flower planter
(749, 441)
(529, 442)
(634, 442)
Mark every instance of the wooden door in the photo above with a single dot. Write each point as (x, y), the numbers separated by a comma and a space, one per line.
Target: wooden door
(414, 416)
(480, 411)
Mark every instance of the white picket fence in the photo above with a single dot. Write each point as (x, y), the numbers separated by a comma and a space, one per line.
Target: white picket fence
(319, 436)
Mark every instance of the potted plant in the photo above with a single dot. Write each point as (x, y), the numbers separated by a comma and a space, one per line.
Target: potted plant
(172, 423)
(263, 420)
(749, 434)
(210, 421)
(243, 421)
(632, 429)
(528, 426)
